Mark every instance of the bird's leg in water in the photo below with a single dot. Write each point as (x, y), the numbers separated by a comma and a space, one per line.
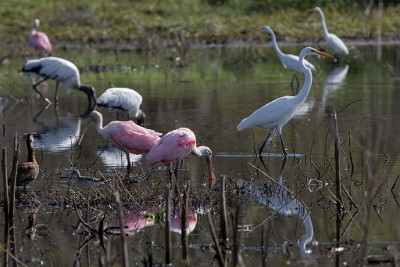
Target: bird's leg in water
(283, 146)
(263, 144)
(297, 83)
(37, 91)
(56, 95)
(128, 168)
(176, 178)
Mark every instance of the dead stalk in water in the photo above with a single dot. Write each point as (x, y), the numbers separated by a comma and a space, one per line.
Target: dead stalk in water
(124, 243)
(5, 207)
(217, 247)
(223, 218)
(184, 239)
(168, 241)
(13, 184)
(339, 202)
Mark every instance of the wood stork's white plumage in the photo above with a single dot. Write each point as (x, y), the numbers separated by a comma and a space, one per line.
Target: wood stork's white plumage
(334, 42)
(39, 39)
(274, 115)
(288, 61)
(59, 70)
(123, 98)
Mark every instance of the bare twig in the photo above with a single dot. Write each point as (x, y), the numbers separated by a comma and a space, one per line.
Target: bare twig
(124, 243)
(220, 257)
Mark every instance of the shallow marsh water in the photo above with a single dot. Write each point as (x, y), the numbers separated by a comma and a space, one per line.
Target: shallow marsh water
(210, 91)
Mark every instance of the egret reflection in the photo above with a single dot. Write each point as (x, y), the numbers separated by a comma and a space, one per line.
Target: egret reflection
(280, 199)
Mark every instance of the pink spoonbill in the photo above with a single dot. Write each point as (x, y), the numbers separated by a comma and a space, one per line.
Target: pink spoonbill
(39, 39)
(177, 144)
(59, 70)
(123, 98)
(274, 115)
(126, 135)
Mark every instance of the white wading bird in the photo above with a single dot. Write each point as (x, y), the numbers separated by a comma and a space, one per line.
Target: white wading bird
(334, 42)
(123, 98)
(59, 70)
(274, 115)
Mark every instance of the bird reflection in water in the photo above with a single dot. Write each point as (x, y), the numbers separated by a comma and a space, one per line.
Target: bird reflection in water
(333, 82)
(61, 136)
(135, 220)
(280, 199)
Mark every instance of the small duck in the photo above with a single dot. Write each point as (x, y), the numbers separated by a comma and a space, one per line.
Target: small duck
(88, 180)
(28, 171)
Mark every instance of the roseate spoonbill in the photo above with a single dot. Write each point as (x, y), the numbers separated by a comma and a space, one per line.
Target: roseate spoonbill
(59, 70)
(274, 115)
(177, 144)
(123, 98)
(39, 39)
(29, 170)
(288, 61)
(88, 180)
(334, 42)
(126, 135)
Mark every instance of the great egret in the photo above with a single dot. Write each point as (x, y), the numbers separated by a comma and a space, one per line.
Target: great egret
(177, 144)
(39, 39)
(274, 115)
(123, 98)
(334, 42)
(29, 170)
(59, 70)
(126, 135)
(288, 61)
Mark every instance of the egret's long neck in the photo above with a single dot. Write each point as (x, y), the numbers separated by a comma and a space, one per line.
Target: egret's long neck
(302, 95)
(275, 44)
(308, 236)
(324, 28)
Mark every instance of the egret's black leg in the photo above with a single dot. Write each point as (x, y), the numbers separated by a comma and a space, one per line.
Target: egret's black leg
(283, 146)
(263, 144)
